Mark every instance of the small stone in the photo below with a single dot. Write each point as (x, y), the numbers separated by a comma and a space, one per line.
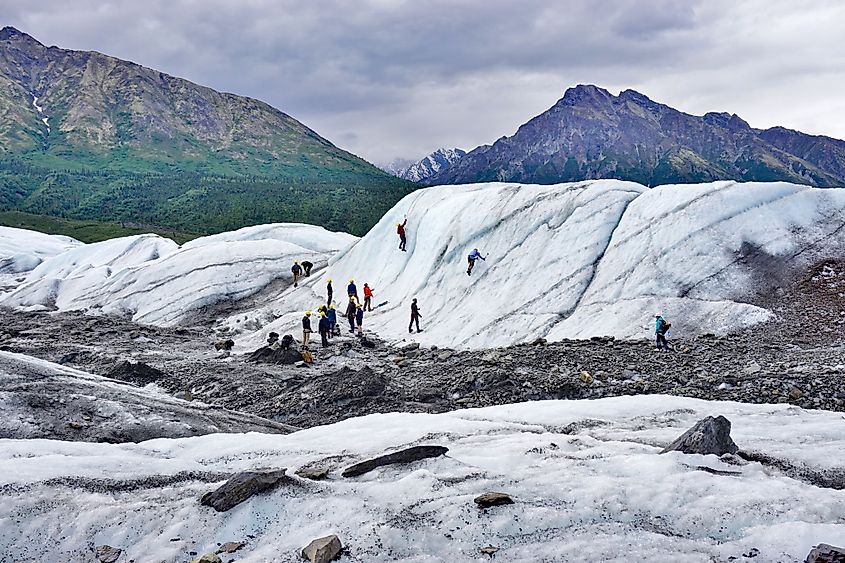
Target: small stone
(322, 550)
(107, 553)
(231, 546)
(489, 499)
(585, 377)
(753, 368)
(208, 558)
(315, 474)
(489, 550)
(795, 393)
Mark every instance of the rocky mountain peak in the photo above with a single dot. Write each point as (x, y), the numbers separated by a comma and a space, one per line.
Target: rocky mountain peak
(585, 94)
(10, 33)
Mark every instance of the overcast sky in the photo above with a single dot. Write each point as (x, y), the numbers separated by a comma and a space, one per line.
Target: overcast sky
(394, 78)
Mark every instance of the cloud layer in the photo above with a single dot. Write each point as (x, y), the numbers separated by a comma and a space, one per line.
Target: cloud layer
(396, 78)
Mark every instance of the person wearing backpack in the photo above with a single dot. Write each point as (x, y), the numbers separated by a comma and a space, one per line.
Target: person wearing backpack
(473, 256)
(331, 315)
(661, 327)
(306, 328)
(297, 271)
(368, 298)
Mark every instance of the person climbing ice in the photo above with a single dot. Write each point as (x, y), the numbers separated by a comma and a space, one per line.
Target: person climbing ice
(661, 327)
(473, 256)
(415, 316)
(297, 271)
(368, 298)
(400, 230)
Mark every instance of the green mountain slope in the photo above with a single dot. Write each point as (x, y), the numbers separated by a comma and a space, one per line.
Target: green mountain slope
(88, 136)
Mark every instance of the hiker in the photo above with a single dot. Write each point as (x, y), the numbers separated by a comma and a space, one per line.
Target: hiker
(352, 290)
(273, 340)
(415, 316)
(297, 271)
(359, 319)
(400, 230)
(286, 342)
(473, 256)
(661, 327)
(331, 315)
(306, 328)
(368, 298)
(306, 267)
(329, 291)
(350, 314)
(324, 328)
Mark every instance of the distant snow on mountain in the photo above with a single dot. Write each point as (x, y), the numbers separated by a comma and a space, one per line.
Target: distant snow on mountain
(419, 171)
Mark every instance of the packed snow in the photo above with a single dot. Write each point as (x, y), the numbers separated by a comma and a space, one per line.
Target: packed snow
(22, 250)
(152, 280)
(40, 110)
(586, 477)
(575, 260)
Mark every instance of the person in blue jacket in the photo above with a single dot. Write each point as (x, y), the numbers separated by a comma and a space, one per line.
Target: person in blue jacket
(352, 290)
(359, 319)
(331, 315)
(473, 256)
(324, 328)
(661, 327)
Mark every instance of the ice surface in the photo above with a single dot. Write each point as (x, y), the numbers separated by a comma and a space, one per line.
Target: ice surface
(586, 476)
(152, 280)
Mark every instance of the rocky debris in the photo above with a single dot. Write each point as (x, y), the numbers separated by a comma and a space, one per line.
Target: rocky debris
(489, 550)
(241, 487)
(323, 550)
(486, 500)
(826, 553)
(313, 473)
(137, 373)
(224, 344)
(753, 368)
(231, 547)
(208, 558)
(709, 436)
(283, 356)
(107, 553)
(407, 455)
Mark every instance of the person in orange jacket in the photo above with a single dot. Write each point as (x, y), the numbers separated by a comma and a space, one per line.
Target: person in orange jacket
(368, 297)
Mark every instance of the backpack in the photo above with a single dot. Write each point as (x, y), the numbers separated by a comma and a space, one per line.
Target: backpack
(307, 357)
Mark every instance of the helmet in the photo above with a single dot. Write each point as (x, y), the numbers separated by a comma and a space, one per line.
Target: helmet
(296, 262)
(322, 313)
(358, 305)
(307, 313)
(331, 307)
(398, 224)
(351, 281)
(329, 280)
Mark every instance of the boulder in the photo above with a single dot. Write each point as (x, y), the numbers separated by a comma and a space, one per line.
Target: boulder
(313, 473)
(208, 558)
(231, 547)
(107, 553)
(224, 344)
(267, 355)
(322, 550)
(486, 500)
(826, 553)
(138, 373)
(407, 455)
(708, 436)
(241, 487)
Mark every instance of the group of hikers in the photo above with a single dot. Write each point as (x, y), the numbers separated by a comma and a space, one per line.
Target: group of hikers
(328, 327)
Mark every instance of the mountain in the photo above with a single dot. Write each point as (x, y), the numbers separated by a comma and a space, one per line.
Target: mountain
(589, 133)
(397, 166)
(89, 136)
(420, 171)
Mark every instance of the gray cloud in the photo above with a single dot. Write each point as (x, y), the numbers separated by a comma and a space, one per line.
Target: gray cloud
(391, 78)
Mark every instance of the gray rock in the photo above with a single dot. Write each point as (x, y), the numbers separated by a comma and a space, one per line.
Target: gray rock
(315, 474)
(407, 455)
(486, 500)
(753, 368)
(231, 547)
(107, 553)
(323, 550)
(268, 355)
(708, 436)
(826, 553)
(241, 487)
(138, 373)
(208, 558)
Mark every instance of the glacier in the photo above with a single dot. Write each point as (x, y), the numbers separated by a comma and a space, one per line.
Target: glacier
(577, 260)
(586, 477)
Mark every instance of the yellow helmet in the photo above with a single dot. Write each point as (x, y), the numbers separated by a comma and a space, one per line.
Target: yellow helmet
(322, 313)
(329, 280)
(307, 313)
(331, 307)
(351, 281)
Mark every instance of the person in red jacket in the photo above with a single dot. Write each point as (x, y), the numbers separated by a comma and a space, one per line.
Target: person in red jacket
(400, 230)
(368, 298)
